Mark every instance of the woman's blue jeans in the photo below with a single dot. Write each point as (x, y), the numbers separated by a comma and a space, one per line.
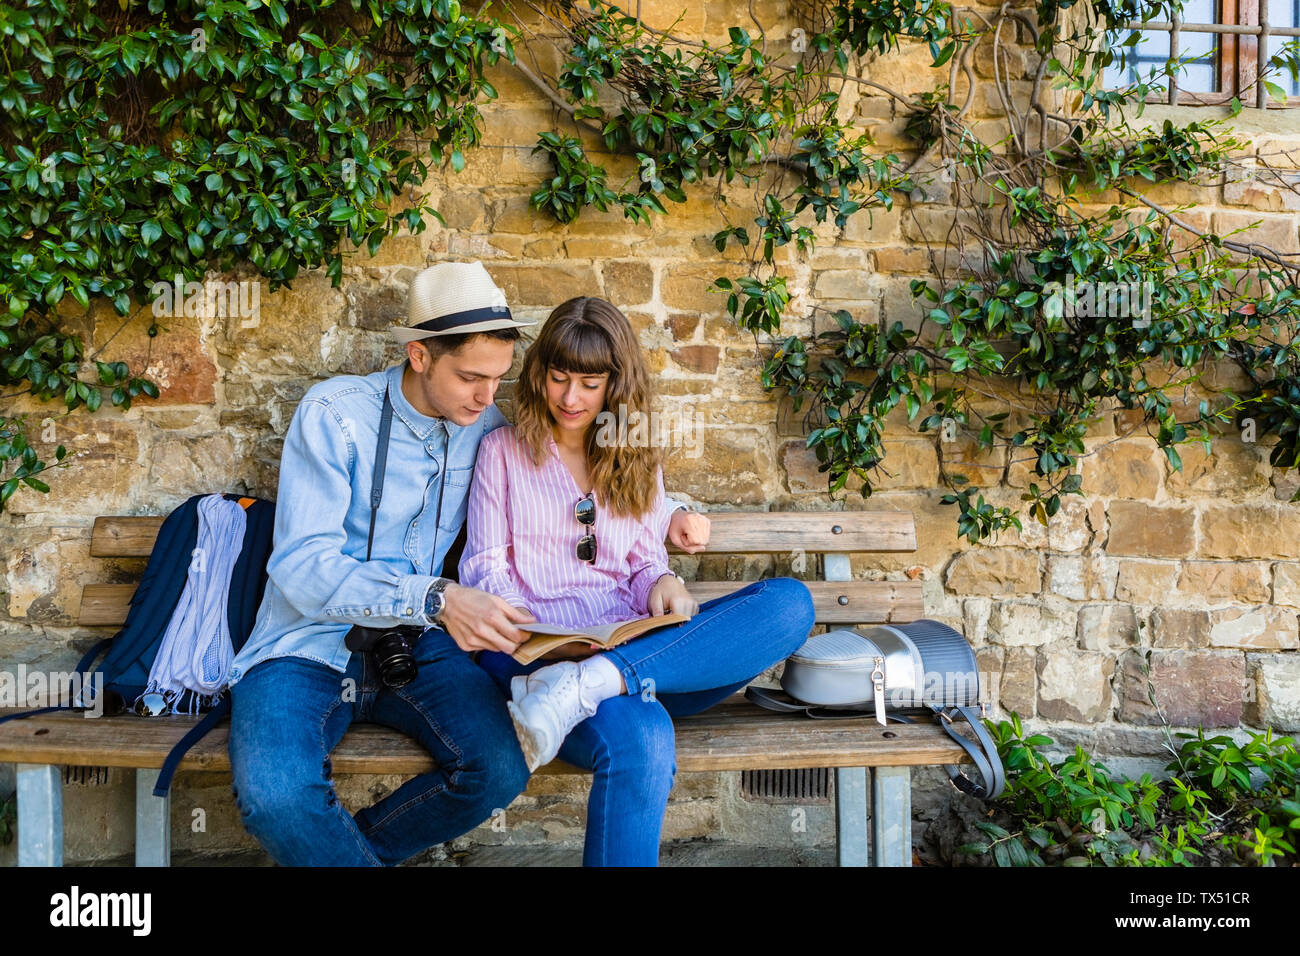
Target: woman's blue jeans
(674, 671)
(289, 713)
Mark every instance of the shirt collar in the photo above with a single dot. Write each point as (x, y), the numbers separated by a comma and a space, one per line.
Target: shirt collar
(422, 426)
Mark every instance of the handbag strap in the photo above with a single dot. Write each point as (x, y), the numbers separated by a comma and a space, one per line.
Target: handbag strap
(765, 698)
(983, 753)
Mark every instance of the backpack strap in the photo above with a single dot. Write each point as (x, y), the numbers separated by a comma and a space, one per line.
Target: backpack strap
(219, 711)
(83, 665)
(23, 715)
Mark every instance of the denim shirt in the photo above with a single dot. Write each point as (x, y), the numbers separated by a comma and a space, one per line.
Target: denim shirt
(320, 583)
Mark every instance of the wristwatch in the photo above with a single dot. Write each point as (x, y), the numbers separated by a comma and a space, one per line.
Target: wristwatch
(435, 601)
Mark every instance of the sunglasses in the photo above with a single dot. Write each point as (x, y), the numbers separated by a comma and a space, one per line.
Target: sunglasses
(150, 705)
(585, 512)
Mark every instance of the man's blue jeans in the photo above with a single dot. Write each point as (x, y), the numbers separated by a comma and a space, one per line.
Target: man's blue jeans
(289, 713)
(674, 671)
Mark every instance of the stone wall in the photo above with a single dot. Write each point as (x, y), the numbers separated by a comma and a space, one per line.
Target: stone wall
(1198, 571)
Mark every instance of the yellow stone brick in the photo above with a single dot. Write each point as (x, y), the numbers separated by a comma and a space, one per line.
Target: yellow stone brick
(596, 248)
(686, 287)
(628, 282)
(547, 248)
(544, 285)
(1271, 229)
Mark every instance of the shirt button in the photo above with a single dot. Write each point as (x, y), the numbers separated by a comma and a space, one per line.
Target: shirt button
(415, 523)
(409, 612)
(366, 612)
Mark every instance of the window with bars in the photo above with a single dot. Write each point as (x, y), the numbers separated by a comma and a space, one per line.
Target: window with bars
(1223, 44)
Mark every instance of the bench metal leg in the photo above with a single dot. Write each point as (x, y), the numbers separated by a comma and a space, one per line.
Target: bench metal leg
(153, 815)
(850, 782)
(851, 815)
(891, 818)
(40, 815)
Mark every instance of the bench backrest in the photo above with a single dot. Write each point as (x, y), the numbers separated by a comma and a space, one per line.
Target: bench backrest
(833, 534)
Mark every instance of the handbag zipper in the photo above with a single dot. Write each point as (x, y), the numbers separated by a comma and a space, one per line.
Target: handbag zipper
(878, 685)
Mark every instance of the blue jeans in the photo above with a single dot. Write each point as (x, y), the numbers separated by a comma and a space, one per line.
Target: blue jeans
(290, 712)
(672, 672)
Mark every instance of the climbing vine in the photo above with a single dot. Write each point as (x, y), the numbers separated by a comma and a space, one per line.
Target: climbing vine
(144, 140)
(1077, 310)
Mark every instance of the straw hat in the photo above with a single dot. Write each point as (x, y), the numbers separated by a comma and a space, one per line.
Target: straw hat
(453, 298)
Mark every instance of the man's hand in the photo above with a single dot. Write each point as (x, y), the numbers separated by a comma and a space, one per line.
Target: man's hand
(670, 595)
(478, 621)
(688, 531)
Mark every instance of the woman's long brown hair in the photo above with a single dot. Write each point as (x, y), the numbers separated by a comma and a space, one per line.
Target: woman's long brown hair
(588, 337)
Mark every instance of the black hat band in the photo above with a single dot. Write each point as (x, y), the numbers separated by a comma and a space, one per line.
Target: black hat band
(445, 323)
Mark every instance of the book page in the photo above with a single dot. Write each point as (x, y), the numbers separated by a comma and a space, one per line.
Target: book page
(600, 632)
(550, 636)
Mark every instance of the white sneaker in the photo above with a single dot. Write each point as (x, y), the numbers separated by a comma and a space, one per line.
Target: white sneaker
(546, 705)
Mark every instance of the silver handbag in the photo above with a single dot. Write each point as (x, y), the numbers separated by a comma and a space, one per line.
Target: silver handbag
(880, 670)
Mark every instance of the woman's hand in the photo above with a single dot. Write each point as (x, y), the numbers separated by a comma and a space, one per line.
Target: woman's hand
(669, 595)
(688, 530)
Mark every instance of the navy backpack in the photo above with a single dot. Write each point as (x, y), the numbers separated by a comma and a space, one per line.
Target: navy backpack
(132, 650)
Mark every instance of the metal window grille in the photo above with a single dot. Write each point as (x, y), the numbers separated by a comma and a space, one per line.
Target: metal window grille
(1274, 22)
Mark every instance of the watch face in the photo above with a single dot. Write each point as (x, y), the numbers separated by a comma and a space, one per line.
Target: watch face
(433, 604)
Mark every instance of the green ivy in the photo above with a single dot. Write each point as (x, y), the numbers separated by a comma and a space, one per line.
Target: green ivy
(143, 141)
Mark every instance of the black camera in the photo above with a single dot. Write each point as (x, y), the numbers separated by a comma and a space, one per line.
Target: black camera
(392, 649)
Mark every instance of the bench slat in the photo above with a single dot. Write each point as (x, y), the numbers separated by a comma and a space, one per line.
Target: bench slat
(124, 537)
(735, 735)
(867, 602)
(744, 532)
(732, 533)
(105, 605)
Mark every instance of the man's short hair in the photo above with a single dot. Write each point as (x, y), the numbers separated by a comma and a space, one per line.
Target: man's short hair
(440, 345)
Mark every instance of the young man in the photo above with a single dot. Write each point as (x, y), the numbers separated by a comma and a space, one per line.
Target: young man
(345, 557)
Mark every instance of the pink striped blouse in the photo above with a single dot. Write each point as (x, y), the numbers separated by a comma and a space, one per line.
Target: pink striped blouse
(521, 535)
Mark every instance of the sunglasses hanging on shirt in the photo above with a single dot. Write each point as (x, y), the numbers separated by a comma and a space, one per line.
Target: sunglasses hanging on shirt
(585, 512)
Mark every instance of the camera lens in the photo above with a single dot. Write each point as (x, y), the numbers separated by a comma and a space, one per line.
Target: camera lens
(397, 666)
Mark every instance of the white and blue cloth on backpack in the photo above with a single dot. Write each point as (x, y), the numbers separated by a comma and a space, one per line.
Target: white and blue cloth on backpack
(192, 667)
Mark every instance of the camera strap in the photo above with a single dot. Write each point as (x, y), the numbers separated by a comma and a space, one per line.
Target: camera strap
(381, 463)
(377, 478)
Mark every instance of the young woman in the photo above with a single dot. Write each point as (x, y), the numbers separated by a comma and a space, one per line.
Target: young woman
(569, 525)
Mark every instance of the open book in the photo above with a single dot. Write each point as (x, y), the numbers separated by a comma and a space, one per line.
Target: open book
(547, 637)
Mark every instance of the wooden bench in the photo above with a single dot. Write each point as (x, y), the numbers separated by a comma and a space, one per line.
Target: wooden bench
(872, 775)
